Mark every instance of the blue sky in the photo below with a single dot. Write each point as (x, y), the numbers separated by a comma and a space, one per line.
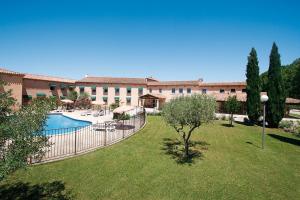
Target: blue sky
(169, 40)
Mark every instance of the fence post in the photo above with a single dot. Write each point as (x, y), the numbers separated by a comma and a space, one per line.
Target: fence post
(105, 132)
(123, 127)
(134, 129)
(75, 143)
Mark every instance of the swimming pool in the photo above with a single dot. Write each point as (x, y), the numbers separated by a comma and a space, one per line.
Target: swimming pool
(57, 121)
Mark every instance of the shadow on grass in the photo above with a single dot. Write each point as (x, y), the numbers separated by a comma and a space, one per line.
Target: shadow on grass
(285, 139)
(175, 149)
(20, 190)
(246, 123)
(253, 144)
(228, 125)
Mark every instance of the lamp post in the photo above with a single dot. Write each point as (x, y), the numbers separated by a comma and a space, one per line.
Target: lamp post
(264, 99)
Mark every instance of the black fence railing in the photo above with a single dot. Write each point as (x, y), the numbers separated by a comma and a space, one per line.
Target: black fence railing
(67, 142)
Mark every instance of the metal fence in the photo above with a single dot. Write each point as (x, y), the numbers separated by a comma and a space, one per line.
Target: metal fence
(68, 142)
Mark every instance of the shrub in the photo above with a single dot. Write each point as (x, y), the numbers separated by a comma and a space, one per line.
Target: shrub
(114, 106)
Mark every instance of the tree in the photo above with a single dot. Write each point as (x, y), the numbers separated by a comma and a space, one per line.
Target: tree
(83, 96)
(186, 113)
(72, 95)
(21, 132)
(232, 106)
(296, 82)
(289, 77)
(253, 87)
(276, 92)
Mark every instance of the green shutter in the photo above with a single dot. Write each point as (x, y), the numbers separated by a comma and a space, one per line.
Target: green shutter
(105, 87)
(117, 98)
(93, 98)
(93, 87)
(62, 97)
(27, 97)
(81, 87)
(72, 86)
(104, 98)
(40, 94)
(128, 98)
(128, 88)
(63, 86)
(141, 88)
(117, 87)
(52, 84)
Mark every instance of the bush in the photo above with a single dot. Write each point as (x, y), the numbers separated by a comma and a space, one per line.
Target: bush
(286, 124)
(114, 106)
(122, 116)
(291, 127)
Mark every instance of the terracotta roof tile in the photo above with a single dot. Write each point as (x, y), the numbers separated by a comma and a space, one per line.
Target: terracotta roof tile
(174, 83)
(48, 78)
(6, 71)
(223, 84)
(113, 80)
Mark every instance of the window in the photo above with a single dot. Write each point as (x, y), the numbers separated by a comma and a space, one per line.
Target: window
(93, 90)
(189, 90)
(40, 94)
(128, 91)
(71, 87)
(27, 97)
(52, 86)
(117, 90)
(105, 100)
(128, 100)
(222, 90)
(93, 98)
(232, 90)
(81, 89)
(160, 90)
(180, 90)
(105, 90)
(63, 86)
(244, 90)
(173, 90)
(140, 91)
(150, 90)
(204, 91)
(117, 99)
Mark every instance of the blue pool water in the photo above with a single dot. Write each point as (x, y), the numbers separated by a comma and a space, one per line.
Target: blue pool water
(58, 121)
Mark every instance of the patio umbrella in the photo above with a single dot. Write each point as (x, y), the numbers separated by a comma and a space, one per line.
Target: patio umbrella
(123, 109)
(67, 101)
(98, 103)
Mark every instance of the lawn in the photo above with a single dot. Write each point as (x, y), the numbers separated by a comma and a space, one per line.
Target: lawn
(230, 165)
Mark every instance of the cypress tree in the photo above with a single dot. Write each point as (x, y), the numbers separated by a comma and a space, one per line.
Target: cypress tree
(253, 87)
(276, 91)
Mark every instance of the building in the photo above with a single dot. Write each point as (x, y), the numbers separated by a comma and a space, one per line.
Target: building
(147, 92)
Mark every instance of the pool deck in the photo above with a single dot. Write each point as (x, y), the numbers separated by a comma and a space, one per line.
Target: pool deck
(77, 114)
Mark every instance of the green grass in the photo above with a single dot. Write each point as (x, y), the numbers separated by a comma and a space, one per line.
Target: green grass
(231, 166)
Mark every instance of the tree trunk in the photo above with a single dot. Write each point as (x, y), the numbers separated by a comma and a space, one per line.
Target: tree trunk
(231, 119)
(186, 149)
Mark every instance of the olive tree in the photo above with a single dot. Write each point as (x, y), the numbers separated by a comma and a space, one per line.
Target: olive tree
(186, 113)
(232, 106)
(21, 132)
